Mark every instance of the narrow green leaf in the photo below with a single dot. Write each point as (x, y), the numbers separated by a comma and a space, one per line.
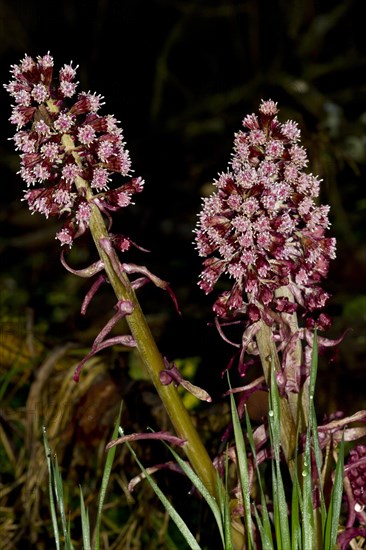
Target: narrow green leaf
(211, 501)
(314, 364)
(318, 461)
(68, 543)
(182, 526)
(283, 509)
(243, 470)
(227, 518)
(296, 504)
(315, 437)
(50, 490)
(60, 497)
(85, 526)
(314, 427)
(56, 493)
(279, 490)
(264, 510)
(307, 518)
(267, 544)
(276, 514)
(295, 513)
(105, 479)
(334, 510)
(221, 502)
(274, 410)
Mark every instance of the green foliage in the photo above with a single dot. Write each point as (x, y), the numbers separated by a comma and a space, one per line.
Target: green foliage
(180, 523)
(299, 530)
(192, 476)
(56, 498)
(303, 533)
(243, 471)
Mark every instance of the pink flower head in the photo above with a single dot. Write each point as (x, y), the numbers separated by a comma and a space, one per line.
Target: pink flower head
(262, 227)
(63, 142)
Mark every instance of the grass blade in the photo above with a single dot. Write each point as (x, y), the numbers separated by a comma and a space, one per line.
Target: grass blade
(314, 429)
(307, 508)
(85, 525)
(50, 490)
(265, 521)
(267, 544)
(60, 497)
(106, 475)
(295, 513)
(68, 543)
(314, 364)
(182, 526)
(334, 510)
(279, 497)
(296, 504)
(226, 518)
(243, 470)
(193, 477)
(56, 493)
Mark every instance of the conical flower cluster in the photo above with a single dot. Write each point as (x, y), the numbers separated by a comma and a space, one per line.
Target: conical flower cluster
(64, 141)
(262, 227)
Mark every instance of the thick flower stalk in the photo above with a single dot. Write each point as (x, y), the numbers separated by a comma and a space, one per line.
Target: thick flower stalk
(263, 230)
(69, 155)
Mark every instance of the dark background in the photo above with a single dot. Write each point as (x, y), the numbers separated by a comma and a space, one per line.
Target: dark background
(180, 76)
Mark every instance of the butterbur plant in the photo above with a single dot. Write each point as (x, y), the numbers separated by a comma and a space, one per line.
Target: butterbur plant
(264, 230)
(263, 234)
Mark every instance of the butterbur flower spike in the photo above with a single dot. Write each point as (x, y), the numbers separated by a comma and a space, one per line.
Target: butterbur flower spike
(263, 230)
(63, 142)
(262, 227)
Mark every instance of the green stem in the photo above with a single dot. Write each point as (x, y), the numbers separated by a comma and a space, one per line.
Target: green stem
(153, 361)
(150, 355)
(268, 353)
(299, 402)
